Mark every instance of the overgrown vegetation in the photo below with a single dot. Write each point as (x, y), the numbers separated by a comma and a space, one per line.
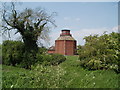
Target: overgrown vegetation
(54, 71)
(100, 52)
(14, 54)
(32, 25)
(65, 75)
(0, 53)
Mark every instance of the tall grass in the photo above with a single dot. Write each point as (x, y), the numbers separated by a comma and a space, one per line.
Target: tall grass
(68, 74)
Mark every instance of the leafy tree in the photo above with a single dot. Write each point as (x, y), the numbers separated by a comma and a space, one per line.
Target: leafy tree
(30, 23)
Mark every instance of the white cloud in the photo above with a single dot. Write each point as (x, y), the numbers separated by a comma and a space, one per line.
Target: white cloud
(116, 29)
(80, 34)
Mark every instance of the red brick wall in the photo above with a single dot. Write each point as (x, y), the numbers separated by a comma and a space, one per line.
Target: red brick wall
(51, 51)
(65, 47)
(69, 48)
(75, 47)
(59, 46)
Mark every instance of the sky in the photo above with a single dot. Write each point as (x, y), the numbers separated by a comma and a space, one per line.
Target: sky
(82, 18)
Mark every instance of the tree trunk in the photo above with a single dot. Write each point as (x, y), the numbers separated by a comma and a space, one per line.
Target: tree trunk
(30, 44)
(31, 49)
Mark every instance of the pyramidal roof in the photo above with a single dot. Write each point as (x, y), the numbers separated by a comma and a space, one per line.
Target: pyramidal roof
(65, 35)
(65, 38)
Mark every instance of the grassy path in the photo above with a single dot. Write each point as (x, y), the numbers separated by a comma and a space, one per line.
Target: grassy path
(66, 75)
(78, 77)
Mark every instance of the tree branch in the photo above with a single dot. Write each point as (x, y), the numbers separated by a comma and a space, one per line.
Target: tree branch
(5, 18)
(39, 30)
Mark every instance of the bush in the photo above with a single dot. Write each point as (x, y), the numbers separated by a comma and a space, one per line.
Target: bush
(28, 59)
(100, 52)
(53, 59)
(12, 52)
(46, 59)
(57, 59)
(94, 64)
(39, 58)
(42, 50)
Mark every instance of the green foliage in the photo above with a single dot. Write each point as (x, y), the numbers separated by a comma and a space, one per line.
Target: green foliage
(53, 59)
(12, 52)
(57, 59)
(28, 59)
(42, 50)
(0, 53)
(100, 52)
(65, 75)
(46, 59)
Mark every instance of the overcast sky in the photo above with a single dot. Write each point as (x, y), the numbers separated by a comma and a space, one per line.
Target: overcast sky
(82, 18)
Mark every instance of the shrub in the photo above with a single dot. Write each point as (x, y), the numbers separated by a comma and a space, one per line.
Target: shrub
(46, 59)
(57, 59)
(12, 52)
(53, 59)
(94, 64)
(28, 59)
(42, 50)
(39, 58)
(100, 52)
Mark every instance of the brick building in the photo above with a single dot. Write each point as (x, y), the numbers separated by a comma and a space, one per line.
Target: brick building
(65, 44)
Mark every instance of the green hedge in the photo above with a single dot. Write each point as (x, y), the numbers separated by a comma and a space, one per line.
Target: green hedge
(53, 59)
